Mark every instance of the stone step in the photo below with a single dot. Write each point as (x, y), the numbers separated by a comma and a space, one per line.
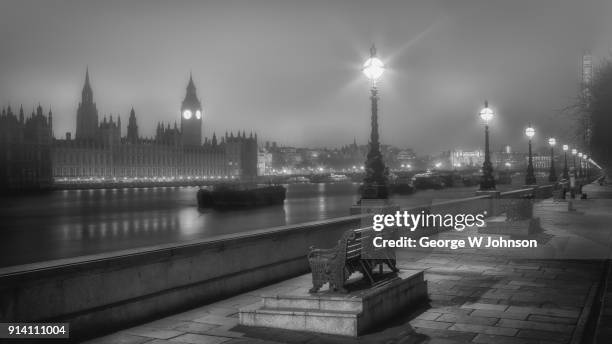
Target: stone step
(331, 322)
(306, 303)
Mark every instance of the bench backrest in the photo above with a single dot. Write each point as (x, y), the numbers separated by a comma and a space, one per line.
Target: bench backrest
(353, 245)
(358, 244)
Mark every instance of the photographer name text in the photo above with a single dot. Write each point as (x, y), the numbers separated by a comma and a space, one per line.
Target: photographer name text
(453, 244)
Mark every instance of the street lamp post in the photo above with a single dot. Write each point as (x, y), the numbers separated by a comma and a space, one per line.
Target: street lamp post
(580, 164)
(552, 176)
(530, 178)
(565, 172)
(487, 181)
(574, 153)
(375, 180)
(586, 165)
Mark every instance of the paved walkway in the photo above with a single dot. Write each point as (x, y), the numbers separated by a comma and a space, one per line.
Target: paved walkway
(475, 296)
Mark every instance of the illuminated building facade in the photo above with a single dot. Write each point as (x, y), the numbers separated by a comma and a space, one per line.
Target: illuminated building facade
(466, 159)
(99, 152)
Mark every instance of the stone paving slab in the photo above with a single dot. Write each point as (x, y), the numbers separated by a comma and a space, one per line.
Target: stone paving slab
(474, 298)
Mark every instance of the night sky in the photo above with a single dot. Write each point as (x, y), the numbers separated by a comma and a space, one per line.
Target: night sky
(290, 70)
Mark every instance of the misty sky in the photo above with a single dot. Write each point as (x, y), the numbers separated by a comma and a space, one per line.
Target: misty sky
(290, 70)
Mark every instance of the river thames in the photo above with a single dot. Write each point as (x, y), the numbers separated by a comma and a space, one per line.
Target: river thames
(72, 223)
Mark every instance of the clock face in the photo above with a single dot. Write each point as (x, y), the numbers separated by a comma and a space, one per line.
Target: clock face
(187, 114)
(198, 114)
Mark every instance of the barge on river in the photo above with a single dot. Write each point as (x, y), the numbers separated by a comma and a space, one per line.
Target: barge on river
(237, 196)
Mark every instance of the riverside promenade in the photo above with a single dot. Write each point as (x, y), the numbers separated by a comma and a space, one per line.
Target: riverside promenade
(492, 296)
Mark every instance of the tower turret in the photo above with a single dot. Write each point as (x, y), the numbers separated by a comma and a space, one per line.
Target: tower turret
(21, 116)
(191, 116)
(87, 113)
(132, 128)
(50, 123)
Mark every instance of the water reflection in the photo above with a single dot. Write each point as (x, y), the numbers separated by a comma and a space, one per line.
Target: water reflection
(79, 222)
(73, 223)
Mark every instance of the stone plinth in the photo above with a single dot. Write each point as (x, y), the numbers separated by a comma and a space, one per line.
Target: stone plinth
(342, 314)
(499, 225)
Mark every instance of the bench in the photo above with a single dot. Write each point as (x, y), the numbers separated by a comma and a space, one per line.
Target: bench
(354, 252)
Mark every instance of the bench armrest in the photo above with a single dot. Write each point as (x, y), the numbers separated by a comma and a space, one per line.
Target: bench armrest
(322, 252)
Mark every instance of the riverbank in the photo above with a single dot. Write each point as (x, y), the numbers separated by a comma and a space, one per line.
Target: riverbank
(475, 297)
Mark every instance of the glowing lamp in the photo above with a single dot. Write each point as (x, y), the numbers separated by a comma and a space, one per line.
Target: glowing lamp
(373, 68)
(565, 147)
(530, 132)
(486, 114)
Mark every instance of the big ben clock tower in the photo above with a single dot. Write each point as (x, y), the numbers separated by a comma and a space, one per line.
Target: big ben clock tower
(191, 117)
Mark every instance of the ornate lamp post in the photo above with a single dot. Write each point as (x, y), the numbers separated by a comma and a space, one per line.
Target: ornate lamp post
(552, 176)
(574, 153)
(565, 172)
(530, 178)
(487, 181)
(580, 164)
(375, 180)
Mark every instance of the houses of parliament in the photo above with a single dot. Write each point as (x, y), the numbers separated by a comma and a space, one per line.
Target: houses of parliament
(31, 158)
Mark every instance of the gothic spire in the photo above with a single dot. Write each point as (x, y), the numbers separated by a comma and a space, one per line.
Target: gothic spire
(87, 94)
(191, 100)
(50, 118)
(191, 85)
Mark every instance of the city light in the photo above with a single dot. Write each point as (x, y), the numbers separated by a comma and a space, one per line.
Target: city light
(486, 114)
(565, 169)
(530, 178)
(487, 181)
(552, 175)
(373, 68)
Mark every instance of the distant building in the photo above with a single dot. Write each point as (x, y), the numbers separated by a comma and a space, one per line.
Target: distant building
(541, 163)
(587, 79)
(25, 145)
(466, 159)
(406, 158)
(264, 162)
(508, 159)
(98, 152)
